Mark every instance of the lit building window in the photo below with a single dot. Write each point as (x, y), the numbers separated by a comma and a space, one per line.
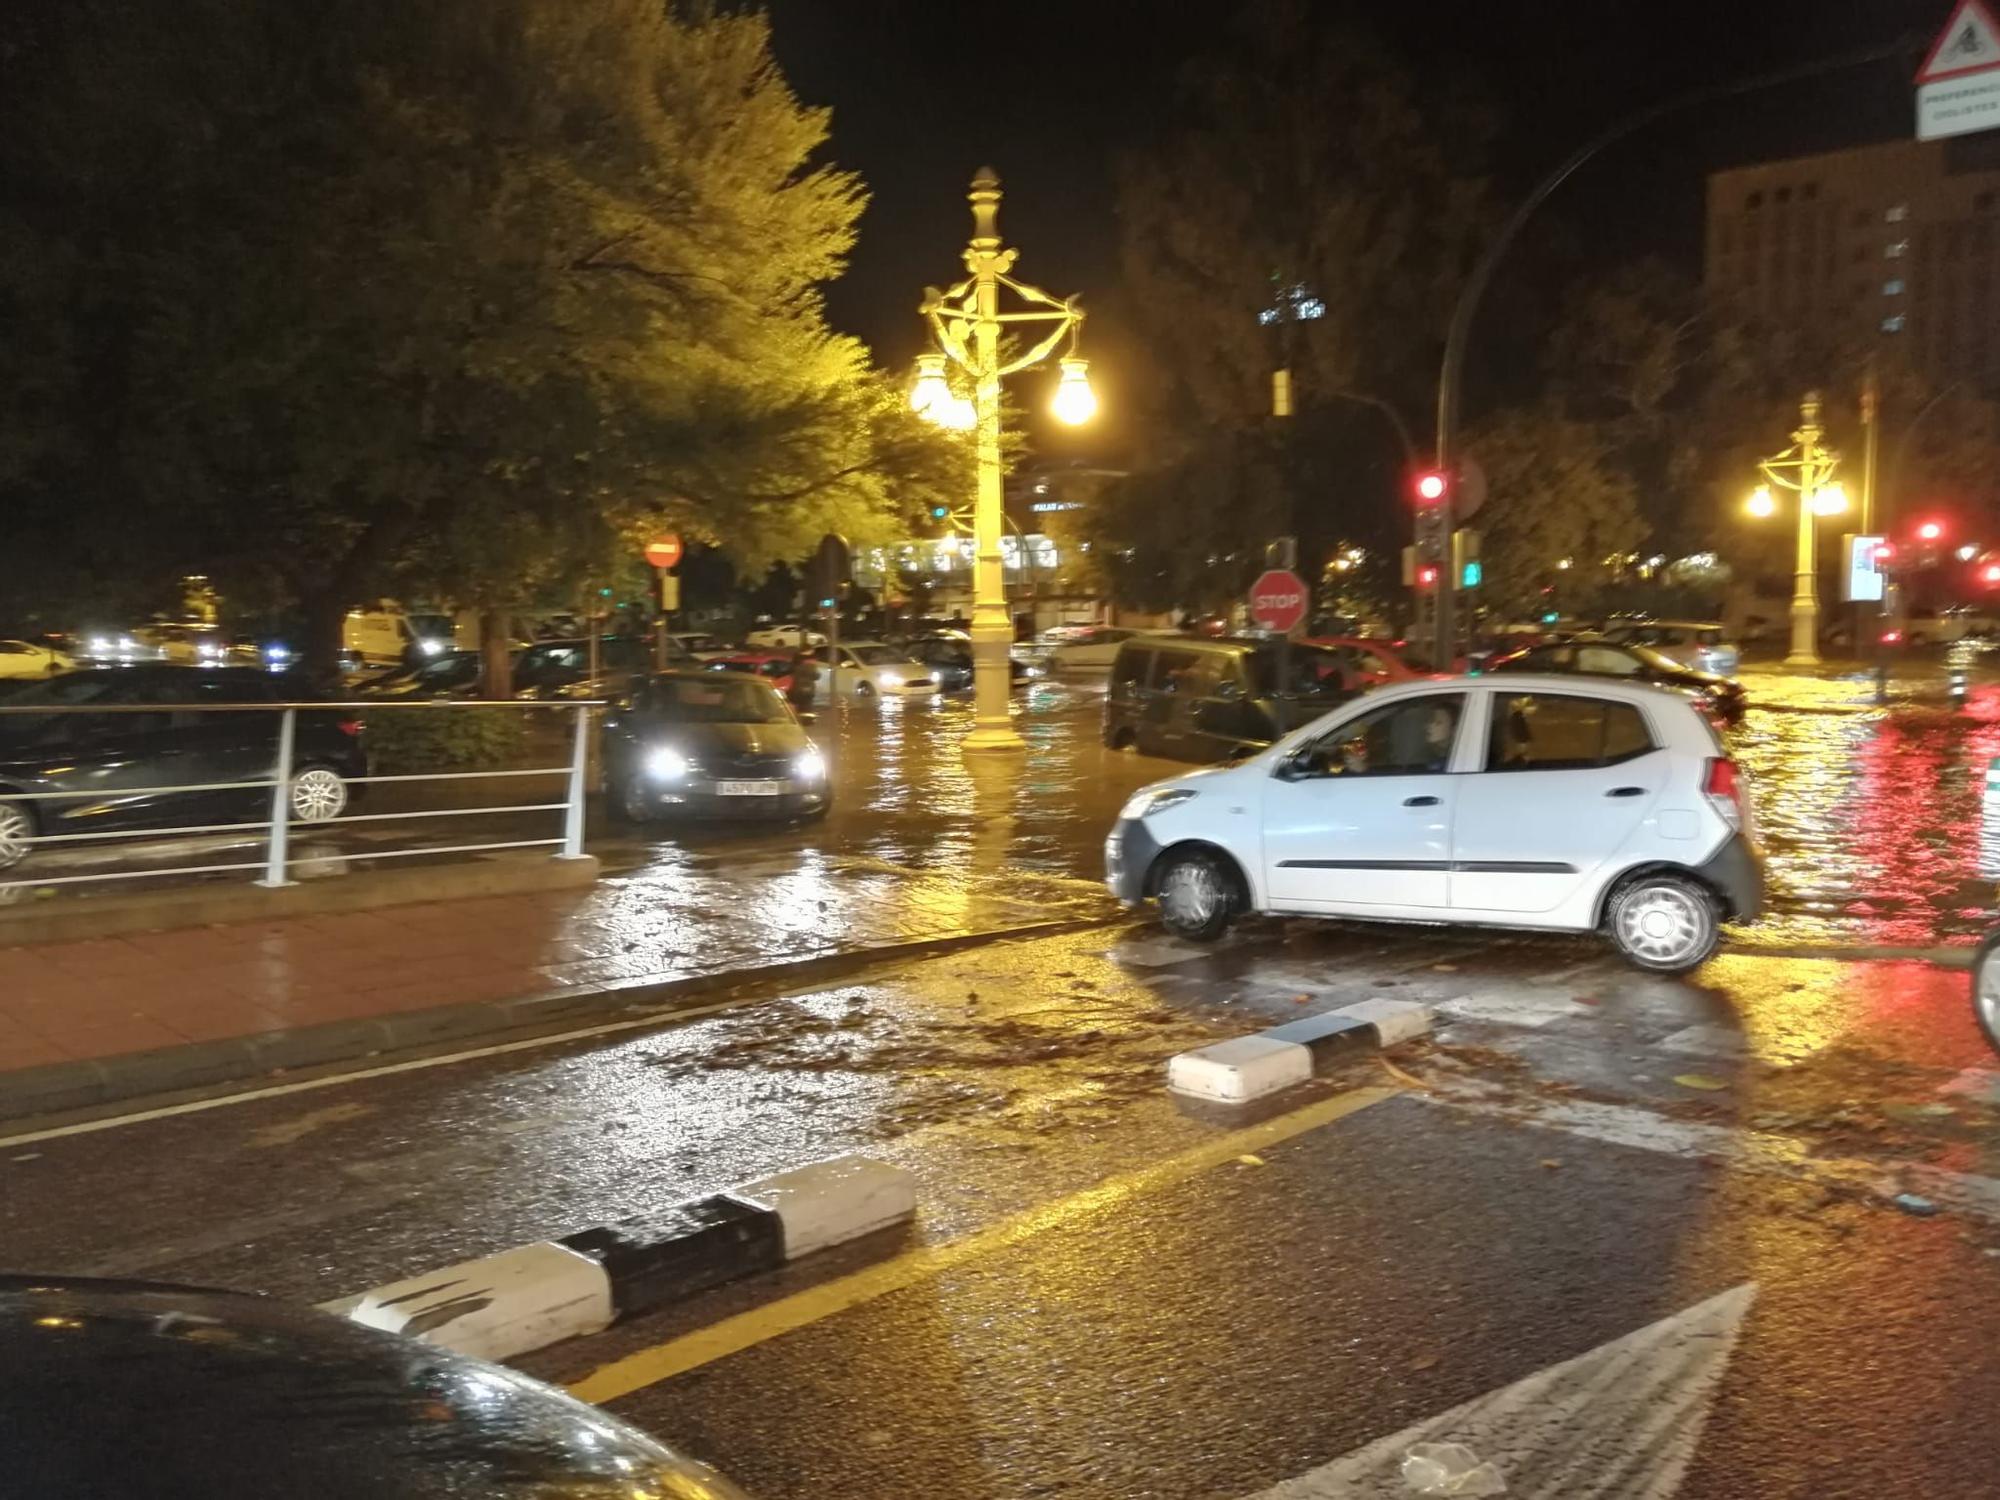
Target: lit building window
(1893, 324)
(1896, 213)
(1896, 249)
(1893, 287)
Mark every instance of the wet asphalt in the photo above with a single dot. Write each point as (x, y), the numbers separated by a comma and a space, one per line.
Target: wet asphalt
(1577, 1152)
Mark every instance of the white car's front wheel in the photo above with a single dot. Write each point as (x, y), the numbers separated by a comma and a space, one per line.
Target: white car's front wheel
(1666, 923)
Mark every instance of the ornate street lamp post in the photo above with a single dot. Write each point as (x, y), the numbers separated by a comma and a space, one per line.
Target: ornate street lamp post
(967, 322)
(1807, 469)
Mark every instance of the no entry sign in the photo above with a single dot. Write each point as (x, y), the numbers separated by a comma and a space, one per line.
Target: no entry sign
(664, 551)
(1278, 601)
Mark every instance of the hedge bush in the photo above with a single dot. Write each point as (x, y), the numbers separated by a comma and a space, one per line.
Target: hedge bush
(433, 737)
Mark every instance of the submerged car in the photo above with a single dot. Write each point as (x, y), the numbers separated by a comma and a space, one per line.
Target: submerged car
(1721, 698)
(711, 744)
(166, 765)
(1558, 803)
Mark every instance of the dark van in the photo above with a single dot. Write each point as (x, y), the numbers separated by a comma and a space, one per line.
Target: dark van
(1215, 700)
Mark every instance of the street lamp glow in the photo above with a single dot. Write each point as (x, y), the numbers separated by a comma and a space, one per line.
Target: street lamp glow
(1829, 500)
(1762, 502)
(1075, 402)
(931, 394)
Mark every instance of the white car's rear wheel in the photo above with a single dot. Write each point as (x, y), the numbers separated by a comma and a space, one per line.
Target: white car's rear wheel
(1667, 923)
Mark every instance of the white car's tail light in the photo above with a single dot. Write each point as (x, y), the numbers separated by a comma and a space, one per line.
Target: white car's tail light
(1726, 793)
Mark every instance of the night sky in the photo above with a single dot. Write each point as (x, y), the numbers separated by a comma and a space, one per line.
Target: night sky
(922, 94)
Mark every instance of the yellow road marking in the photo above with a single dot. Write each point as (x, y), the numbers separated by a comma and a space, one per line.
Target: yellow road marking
(745, 1330)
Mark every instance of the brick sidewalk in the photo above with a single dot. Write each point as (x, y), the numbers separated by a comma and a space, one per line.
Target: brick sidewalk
(72, 1001)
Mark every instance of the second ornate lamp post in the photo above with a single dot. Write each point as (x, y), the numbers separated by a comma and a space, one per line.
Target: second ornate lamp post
(967, 322)
(1807, 468)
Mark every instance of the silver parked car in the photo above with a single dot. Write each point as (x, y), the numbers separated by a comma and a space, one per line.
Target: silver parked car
(1701, 644)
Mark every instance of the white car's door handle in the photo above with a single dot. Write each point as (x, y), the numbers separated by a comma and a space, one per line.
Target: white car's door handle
(1420, 801)
(1626, 791)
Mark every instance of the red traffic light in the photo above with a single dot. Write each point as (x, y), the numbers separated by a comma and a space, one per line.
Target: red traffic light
(1427, 576)
(1884, 552)
(1892, 637)
(1430, 487)
(1930, 531)
(1990, 573)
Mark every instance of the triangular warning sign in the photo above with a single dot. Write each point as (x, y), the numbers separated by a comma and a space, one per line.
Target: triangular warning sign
(1969, 43)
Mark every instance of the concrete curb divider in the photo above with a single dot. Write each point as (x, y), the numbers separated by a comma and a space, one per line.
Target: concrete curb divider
(524, 1299)
(1279, 1057)
(54, 1087)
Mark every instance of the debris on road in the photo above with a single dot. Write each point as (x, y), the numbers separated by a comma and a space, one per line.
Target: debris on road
(1450, 1469)
(1699, 1081)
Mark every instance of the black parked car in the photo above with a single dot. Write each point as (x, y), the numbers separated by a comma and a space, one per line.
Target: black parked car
(710, 744)
(948, 653)
(125, 766)
(547, 668)
(455, 674)
(226, 1394)
(1721, 698)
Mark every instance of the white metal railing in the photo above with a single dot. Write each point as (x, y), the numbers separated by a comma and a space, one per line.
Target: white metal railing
(276, 828)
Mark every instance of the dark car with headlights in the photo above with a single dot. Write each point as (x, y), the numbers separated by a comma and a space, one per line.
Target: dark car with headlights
(1721, 698)
(710, 744)
(159, 762)
(123, 1390)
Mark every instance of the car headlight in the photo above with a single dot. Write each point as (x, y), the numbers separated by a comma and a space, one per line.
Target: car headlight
(1148, 800)
(892, 679)
(666, 764)
(430, 645)
(810, 766)
(100, 645)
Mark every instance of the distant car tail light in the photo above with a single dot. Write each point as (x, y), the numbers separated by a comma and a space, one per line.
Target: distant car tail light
(1725, 792)
(349, 726)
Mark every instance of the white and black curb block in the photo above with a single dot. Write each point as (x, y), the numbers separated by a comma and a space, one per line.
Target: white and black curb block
(535, 1295)
(1268, 1062)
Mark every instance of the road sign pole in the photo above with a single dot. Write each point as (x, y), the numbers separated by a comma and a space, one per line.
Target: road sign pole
(659, 620)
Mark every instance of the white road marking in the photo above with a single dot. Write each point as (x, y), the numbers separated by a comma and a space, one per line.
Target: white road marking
(1747, 1150)
(1619, 1422)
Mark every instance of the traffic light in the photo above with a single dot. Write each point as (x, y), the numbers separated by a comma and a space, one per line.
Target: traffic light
(1990, 573)
(939, 512)
(1930, 531)
(1430, 486)
(1427, 576)
(1885, 554)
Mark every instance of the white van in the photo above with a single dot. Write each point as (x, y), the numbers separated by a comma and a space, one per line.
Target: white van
(377, 637)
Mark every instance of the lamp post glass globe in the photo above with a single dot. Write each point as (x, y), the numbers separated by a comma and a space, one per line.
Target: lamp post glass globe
(1829, 500)
(1075, 402)
(1762, 502)
(930, 394)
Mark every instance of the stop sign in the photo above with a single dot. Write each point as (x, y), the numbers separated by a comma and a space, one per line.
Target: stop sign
(1278, 601)
(664, 551)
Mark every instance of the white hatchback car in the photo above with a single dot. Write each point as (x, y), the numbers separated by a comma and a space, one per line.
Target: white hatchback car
(869, 669)
(1529, 801)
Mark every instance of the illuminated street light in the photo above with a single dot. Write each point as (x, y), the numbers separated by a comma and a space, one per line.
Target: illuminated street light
(1075, 402)
(967, 322)
(1806, 468)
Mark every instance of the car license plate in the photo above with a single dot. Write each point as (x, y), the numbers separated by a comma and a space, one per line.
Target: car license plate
(748, 788)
